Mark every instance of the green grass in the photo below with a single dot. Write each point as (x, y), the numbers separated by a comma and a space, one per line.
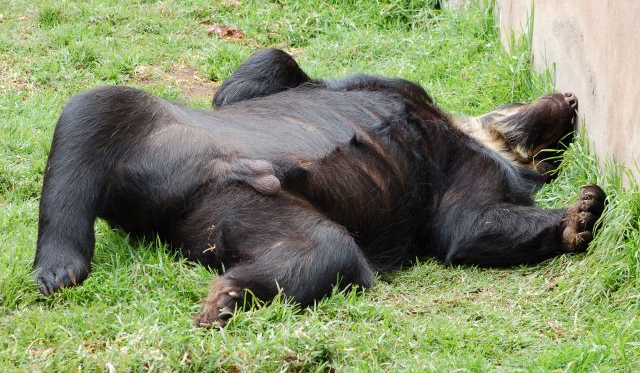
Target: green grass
(572, 313)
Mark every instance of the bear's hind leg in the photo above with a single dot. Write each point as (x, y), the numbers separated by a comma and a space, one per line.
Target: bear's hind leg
(93, 131)
(305, 264)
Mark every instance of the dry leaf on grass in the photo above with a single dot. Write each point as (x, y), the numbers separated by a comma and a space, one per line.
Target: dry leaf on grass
(226, 32)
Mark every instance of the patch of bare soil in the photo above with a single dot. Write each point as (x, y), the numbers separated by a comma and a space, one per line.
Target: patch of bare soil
(193, 86)
(11, 80)
(184, 78)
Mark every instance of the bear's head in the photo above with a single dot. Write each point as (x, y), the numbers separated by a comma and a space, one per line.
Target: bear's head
(520, 132)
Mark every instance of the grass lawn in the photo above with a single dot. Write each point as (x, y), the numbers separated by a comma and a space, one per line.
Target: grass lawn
(134, 313)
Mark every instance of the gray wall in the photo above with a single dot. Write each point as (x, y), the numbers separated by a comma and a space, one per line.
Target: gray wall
(592, 48)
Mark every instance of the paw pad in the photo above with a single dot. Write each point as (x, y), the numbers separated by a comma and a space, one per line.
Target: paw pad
(580, 218)
(220, 305)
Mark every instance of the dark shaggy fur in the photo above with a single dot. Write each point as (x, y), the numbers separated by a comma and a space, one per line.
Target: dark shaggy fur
(299, 184)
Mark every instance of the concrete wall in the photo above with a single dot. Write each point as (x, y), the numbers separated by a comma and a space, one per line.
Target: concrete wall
(593, 49)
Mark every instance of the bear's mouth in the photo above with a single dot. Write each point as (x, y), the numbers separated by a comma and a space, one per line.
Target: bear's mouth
(561, 111)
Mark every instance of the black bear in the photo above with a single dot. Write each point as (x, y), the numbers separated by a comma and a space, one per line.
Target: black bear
(296, 184)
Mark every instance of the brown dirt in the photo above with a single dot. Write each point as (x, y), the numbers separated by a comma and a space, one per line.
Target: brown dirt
(185, 78)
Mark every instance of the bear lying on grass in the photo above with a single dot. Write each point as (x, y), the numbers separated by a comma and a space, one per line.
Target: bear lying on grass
(297, 185)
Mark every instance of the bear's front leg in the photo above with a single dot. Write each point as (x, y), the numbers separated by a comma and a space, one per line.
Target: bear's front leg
(580, 218)
(507, 234)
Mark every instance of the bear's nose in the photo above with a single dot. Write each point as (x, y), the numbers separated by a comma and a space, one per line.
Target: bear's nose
(571, 99)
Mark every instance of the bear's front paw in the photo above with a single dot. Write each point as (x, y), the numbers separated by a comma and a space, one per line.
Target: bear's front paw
(580, 217)
(220, 304)
(61, 271)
